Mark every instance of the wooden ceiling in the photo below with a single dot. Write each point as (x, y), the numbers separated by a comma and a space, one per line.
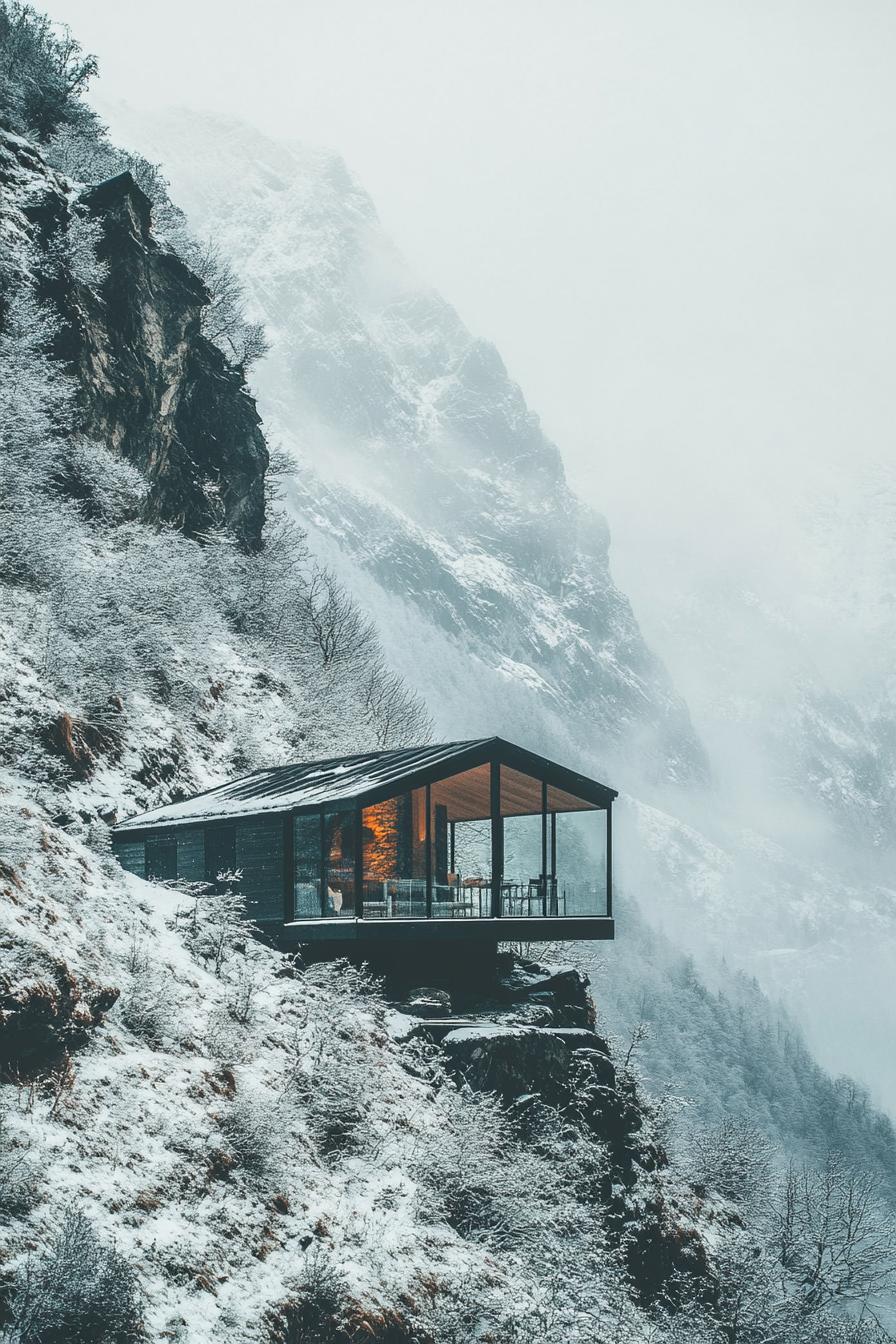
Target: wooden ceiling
(467, 796)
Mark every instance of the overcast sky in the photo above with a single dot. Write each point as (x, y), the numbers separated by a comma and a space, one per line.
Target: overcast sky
(676, 220)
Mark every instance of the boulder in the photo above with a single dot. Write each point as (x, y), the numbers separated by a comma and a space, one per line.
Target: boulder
(510, 1061)
(427, 1003)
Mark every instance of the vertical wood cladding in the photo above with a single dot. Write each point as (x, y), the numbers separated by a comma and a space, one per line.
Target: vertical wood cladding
(259, 856)
(131, 854)
(191, 854)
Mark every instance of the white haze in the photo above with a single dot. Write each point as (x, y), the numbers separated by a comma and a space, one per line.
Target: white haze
(676, 223)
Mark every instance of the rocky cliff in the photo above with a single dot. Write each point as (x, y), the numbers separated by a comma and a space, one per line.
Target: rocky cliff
(150, 385)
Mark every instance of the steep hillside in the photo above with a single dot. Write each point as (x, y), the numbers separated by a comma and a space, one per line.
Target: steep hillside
(198, 1143)
(428, 483)
(420, 461)
(199, 1138)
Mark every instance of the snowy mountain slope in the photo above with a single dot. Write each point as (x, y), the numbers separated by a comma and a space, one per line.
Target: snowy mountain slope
(426, 482)
(196, 1141)
(418, 454)
(793, 689)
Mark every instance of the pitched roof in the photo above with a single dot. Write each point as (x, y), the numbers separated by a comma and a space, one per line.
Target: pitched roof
(370, 776)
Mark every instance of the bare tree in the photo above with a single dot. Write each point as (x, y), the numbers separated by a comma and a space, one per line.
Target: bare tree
(224, 319)
(394, 714)
(333, 623)
(836, 1242)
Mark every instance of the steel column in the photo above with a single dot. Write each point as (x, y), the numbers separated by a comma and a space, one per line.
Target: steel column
(609, 860)
(429, 851)
(359, 862)
(544, 847)
(323, 866)
(497, 839)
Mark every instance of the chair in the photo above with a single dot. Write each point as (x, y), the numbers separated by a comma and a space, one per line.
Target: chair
(535, 892)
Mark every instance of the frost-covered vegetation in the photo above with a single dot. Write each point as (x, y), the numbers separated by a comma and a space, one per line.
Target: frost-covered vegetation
(200, 1139)
(300, 1170)
(133, 650)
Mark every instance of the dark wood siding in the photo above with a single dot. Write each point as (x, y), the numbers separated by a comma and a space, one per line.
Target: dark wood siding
(191, 854)
(131, 854)
(220, 851)
(161, 858)
(259, 856)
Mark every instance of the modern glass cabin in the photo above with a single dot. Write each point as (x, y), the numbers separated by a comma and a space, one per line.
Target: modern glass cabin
(477, 840)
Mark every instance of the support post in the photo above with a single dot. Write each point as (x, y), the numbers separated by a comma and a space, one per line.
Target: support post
(289, 868)
(610, 860)
(429, 851)
(544, 847)
(359, 863)
(497, 839)
(555, 902)
(451, 834)
(323, 865)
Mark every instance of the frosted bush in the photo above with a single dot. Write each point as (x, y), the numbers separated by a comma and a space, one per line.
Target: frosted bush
(478, 1177)
(73, 250)
(733, 1158)
(254, 1125)
(340, 1090)
(316, 1306)
(81, 1292)
(146, 1007)
(19, 1178)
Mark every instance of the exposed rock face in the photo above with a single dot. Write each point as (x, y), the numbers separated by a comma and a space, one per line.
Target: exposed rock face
(151, 386)
(570, 1070)
(44, 1015)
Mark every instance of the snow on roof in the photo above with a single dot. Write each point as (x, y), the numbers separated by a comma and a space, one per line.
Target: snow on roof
(287, 786)
(372, 775)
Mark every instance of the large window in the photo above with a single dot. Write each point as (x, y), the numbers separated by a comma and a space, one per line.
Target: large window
(339, 861)
(306, 880)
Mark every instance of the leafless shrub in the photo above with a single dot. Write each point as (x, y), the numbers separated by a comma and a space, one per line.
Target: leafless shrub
(733, 1158)
(244, 992)
(317, 1306)
(146, 1006)
(214, 922)
(338, 1091)
(81, 1292)
(254, 1126)
(476, 1176)
(19, 1179)
(224, 319)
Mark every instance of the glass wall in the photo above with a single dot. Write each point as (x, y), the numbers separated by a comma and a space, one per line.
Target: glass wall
(306, 873)
(339, 862)
(428, 853)
(581, 845)
(394, 857)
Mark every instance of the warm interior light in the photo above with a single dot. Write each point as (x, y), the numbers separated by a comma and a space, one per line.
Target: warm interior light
(380, 824)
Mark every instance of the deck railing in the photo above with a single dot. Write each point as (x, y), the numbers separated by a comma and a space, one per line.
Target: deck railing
(470, 898)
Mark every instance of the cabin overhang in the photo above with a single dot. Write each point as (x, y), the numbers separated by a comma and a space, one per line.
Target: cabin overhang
(570, 928)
